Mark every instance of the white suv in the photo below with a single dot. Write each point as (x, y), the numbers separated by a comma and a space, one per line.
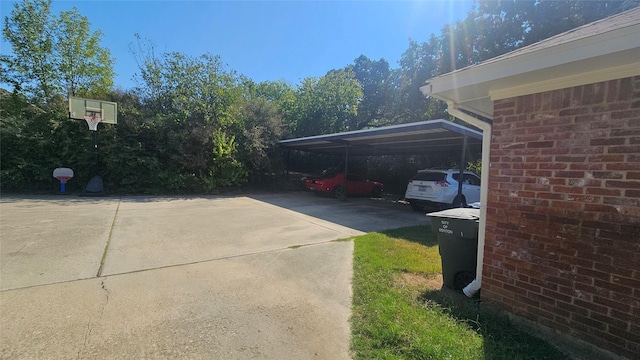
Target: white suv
(438, 187)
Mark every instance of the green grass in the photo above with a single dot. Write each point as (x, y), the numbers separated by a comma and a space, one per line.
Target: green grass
(397, 315)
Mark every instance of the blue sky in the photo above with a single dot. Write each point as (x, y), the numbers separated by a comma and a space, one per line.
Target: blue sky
(265, 40)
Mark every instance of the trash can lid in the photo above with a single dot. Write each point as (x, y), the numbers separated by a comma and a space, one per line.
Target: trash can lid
(458, 213)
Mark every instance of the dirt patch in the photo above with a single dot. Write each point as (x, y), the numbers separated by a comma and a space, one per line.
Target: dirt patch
(431, 282)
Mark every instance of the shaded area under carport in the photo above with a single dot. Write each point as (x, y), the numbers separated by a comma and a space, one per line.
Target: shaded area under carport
(423, 137)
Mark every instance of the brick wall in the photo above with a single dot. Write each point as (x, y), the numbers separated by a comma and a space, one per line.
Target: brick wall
(563, 220)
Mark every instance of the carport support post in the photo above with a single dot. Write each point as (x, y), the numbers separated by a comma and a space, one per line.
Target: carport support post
(462, 168)
(288, 159)
(346, 171)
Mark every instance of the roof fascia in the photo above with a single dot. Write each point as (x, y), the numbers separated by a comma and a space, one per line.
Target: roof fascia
(591, 77)
(506, 66)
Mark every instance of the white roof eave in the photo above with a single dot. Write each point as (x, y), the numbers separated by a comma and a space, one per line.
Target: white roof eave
(580, 61)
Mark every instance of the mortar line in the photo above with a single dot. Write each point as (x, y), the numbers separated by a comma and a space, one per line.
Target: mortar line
(106, 247)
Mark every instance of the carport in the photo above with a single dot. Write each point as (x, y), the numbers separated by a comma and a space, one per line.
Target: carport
(432, 137)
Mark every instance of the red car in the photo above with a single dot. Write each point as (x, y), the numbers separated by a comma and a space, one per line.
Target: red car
(334, 185)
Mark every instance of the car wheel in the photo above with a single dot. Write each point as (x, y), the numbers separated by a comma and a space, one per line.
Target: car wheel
(338, 192)
(376, 192)
(416, 207)
(459, 201)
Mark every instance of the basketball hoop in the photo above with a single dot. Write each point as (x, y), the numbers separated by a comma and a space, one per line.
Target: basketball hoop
(93, 119)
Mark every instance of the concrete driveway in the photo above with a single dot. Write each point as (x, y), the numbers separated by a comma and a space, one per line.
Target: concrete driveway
(220, 277)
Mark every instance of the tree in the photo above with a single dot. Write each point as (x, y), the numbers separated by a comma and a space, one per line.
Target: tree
(327, 104)
(280, 94)
(417, 64)
(54, 55)
(31, 69)
(262, 128)
(374, 78)
(85, 67)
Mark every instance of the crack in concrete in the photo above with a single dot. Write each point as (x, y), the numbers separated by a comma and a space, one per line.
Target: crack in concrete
(106, 247)
(87, 334)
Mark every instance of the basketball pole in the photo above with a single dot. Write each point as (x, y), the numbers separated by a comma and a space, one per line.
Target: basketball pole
(95, 146)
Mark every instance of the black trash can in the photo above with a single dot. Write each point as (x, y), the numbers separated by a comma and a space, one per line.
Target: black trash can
(457, 231)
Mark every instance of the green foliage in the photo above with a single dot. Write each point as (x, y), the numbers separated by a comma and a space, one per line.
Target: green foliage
(226, 170)
(475, 166)
(85, 67)
(54, 55)
(262, 128)
(327, 104)
(374, 107)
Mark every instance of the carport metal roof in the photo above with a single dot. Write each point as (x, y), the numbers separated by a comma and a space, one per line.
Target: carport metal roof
(424, 137)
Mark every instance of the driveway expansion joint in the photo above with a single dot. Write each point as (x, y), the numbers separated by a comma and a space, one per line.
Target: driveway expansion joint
(106, 247)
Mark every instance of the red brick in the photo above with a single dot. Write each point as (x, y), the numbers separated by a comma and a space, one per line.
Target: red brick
(584, 182)
(509, 172)
(632, 193)
(503, 104)
(624, 166)
(552, 166)
(606, 174)
(591, 306)
(613, 287)
(606, 158)
(525, 165)
(557, 135)
(568, 189)
(589, 322)
(625, 114)
(625, 132)
(623, 334)
(602, 191)
(587, 150)
(633, 157)
(608, 141)
(555, 151)
(556, 296)
(622, 184)
(634, 149)
(584, 199)
(599, 208)
(524, 180)
(540, 144)
(625, 281)
(570, 158)
(586, 166)
(575, 111)
(569, 174)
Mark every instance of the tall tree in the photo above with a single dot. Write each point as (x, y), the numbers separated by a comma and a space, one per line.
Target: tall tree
(327, 104)
(417, 64)
(85, 66)
(374, 78)
(31, 69)
(54, 55)
(278, 93)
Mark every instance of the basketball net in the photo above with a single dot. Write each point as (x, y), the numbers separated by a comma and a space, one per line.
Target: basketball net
(93, 119)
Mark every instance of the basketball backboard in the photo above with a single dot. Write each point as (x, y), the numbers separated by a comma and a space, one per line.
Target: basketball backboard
(80, 108)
